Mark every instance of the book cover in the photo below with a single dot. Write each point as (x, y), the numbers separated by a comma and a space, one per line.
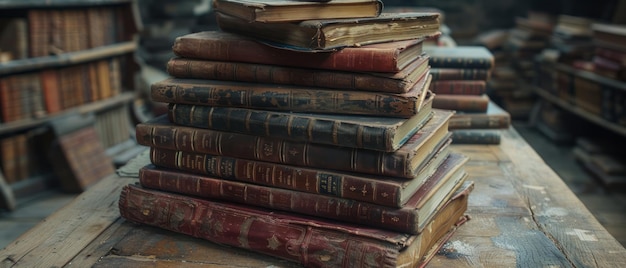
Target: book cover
(442, 74)
(459, 87)
(269, 11)
(380, 190)
(398, 82)
(462, 103)
(404, 162)
(355, 131)
(476, 136)
(472, 57)
(336, 33)
(230, 47)
(494, 118)
(290, 98)
(327, 243)
(410, 218)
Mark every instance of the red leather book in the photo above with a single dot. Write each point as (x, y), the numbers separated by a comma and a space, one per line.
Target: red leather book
(290, 98)
(404, 162)
(309, 241)
(460, 74)
(366, 132)
(410, 218)
(221, 46)
(459, 87)
(398, 82)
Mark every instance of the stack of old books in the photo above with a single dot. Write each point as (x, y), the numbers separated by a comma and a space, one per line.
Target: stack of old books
(460, 76)
(331, 157)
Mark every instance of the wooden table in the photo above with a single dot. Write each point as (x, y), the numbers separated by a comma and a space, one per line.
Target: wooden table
(522, 214)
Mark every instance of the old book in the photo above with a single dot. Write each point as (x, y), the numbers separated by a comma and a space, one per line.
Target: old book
(290, 98)
(398, 82)
(229, 47)
(14, 37)
(612, 36)
(381, 190)
(51, 91)
(327, 243)
(460, 74)
(459, 87)
(365, 132)
(462, 103)
(494, 118)
(39, 28)
(410, 218)
(473, 57)
(283, 11)
(476, 136)
(336, 33)
(404, 162)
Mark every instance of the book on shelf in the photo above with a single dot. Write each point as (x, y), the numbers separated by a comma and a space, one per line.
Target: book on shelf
(14, 37)
(612, 36)
(462, 103)
(410, 218)
(476, 136)
(403, 162)
(471, 57)
(275, 97)
(380, 190)
(336, 33)
(355, 131)
(459, 87)
(328, 243)
(494, 118)
(398, 82)
(443, 74)
(230, 47)
(269, 11)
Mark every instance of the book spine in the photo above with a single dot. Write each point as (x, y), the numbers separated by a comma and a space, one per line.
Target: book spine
(274, 150)
(400, 220)
(475, 136)
(255, 96)
(318, 181)
(477, 121)
(286, 126)
(465, 103)
(248, 50)
(461, 63)
(51, 91)
(459, 87)
(257, 230)
(273, 74)
(443, 74)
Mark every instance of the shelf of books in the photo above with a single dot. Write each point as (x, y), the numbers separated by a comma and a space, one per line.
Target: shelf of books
(59, 60)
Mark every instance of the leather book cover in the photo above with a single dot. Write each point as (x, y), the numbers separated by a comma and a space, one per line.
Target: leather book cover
(459, 87)
(462, 103)
(473, 57)
(494, 118)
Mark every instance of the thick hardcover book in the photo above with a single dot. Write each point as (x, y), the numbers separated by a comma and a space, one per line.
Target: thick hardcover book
(410, 218)
(476, 136)
(404, 162)
(336, 33)
(290, 98)
(399, 82)
(459, 87)
(462, 103)
(284, 10)
(494, 118)
(365, 132)
(471, 57)
(389, 57)
(460, 74)
(310, 241)
(381, 190)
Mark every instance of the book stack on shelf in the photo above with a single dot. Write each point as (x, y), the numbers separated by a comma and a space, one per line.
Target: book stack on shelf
(325, 158)
(460, 76)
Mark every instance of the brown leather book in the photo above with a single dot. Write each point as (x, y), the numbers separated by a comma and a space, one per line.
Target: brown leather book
(222, 46)
(442, 74)
(404, 162)
(494, 118)
(459, 87)
(281, 234)
(355, 131)
(336, 33)
(462, 103)
(269, 11)
(399, 82)
(290, 98)
(411, 218)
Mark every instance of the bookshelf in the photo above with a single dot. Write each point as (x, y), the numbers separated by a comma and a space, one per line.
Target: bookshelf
(61, 59)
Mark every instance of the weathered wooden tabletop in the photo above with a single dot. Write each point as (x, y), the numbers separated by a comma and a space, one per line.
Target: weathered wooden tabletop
(522, 215)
